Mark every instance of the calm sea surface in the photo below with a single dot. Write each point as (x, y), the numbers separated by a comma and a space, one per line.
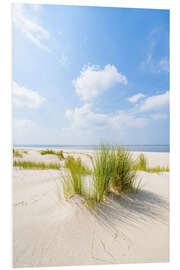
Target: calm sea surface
(138, 148)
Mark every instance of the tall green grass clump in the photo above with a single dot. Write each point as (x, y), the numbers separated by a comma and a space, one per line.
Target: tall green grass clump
(112, 170)
(77, 170)
(124, 177)
(104, 165)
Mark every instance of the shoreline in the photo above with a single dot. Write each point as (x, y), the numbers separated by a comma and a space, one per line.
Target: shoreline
(83, 148)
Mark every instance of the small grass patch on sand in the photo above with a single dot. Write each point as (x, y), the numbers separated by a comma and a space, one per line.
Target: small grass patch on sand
(77, 170)
(157, 169)
(48, 152)
(52, 152)
(141, 164)
(16, 153)
(36, 165)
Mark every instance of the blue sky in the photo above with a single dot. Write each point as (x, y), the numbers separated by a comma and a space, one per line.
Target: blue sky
(82, 75)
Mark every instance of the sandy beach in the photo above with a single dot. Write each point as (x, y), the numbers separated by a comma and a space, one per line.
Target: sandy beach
(48, 231)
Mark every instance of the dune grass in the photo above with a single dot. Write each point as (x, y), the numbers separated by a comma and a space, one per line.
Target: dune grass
(60, 154)
(16, 153)
(103, 170)
(89, 200)
(113, 171)
(52, 152)
(36, 165)
(141, 164)
(68, 187)
(124, 177)
(48, 152)
(158, 169)
(77, 170)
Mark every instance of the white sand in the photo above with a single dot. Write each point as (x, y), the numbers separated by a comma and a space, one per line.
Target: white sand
(132, 228)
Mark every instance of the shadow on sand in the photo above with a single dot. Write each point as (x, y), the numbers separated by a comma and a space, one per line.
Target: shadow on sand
(132, 209)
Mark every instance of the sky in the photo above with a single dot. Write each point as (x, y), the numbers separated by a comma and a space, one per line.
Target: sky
(86, 75)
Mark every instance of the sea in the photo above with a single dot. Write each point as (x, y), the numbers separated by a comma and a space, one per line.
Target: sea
(136, 148)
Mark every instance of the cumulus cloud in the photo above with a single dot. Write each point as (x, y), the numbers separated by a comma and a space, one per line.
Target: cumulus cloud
(84, 117)
(93, 81)
(155, 102)
(135, 98)
(29, 26)
(23, 97)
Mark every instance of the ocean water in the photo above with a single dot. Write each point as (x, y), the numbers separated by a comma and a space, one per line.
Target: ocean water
(137, 148)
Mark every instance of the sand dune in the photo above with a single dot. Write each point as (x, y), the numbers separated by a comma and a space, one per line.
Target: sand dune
(131, 228)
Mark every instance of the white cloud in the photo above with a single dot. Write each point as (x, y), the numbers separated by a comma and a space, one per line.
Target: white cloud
(159, 116)
(29, 26)
(126, 119)
(26, 97)
(93, 81)
(135, 98)
(84, 117)
(155, 102)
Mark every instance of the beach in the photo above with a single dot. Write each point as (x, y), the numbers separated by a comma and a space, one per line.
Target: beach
(52, 231)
